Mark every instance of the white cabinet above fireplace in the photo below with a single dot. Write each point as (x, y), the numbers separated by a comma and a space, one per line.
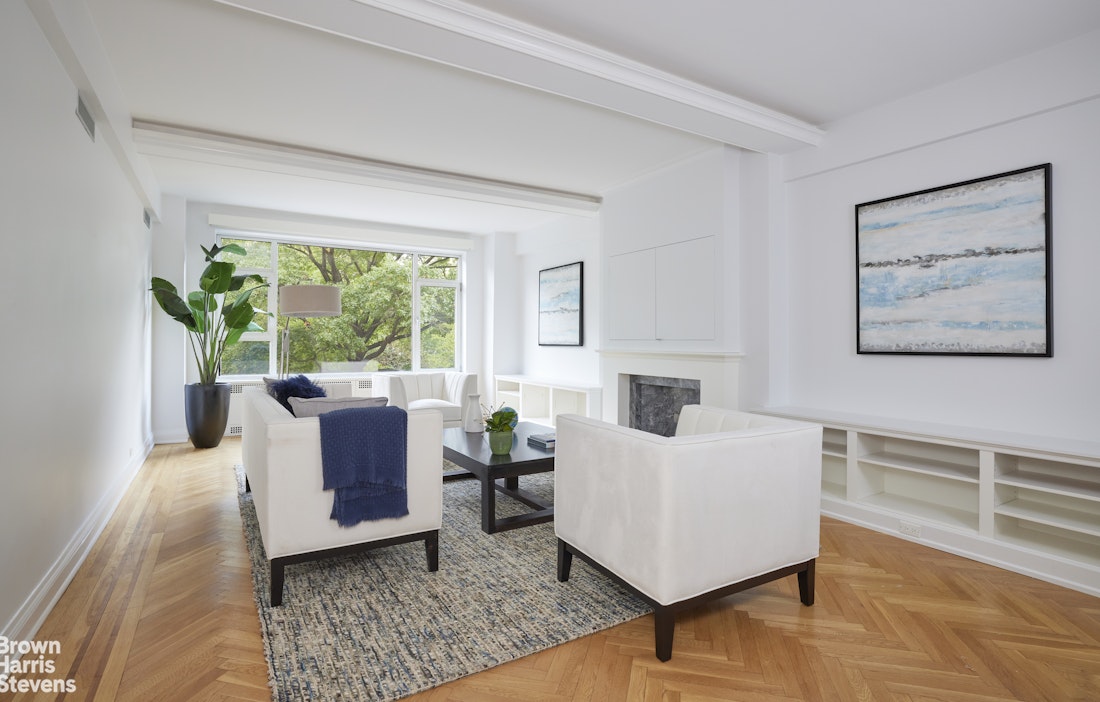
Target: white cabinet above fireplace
(664, 293)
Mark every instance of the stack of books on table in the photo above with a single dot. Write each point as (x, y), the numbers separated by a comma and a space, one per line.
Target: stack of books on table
(542, 441)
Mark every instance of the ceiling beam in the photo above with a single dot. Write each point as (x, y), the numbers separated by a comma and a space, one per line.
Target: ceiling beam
(462, 36)
(202, 146)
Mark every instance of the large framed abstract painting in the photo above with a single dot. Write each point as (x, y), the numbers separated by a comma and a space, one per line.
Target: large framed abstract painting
(561, 305)
(962, 269)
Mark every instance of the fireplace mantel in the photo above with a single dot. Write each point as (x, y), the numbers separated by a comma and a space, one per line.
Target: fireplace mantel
(708, 356)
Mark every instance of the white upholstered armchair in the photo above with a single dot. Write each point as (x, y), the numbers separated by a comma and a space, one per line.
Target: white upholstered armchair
(447, 391)
(730, 502)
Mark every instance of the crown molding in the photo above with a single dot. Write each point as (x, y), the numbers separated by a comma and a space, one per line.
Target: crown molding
(673, 355)
(456, 34)
(176, 141)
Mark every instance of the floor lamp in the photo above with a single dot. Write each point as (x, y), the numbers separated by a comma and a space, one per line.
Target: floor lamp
(305, 301)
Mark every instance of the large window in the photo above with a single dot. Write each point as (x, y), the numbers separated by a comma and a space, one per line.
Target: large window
(400, 310)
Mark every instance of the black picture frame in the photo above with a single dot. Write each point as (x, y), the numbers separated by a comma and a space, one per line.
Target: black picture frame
(958, 270)
(561, 305)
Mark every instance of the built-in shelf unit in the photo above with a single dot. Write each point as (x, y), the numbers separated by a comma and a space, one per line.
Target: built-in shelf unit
(1026, 503)
(541, 401)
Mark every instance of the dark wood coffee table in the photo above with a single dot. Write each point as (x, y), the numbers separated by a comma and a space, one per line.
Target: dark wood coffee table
(500, 473)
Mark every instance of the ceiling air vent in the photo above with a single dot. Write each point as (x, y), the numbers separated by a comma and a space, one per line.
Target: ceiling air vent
(85, 117)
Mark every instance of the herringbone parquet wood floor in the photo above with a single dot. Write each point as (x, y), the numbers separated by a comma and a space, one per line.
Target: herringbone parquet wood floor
(162, 610)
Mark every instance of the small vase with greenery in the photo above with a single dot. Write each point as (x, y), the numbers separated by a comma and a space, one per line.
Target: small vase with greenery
(215, 316)
(499, 424)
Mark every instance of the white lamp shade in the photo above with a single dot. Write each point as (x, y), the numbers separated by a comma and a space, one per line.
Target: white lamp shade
(309, 301)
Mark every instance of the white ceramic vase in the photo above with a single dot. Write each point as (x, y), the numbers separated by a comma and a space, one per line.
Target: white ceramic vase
(473, 422)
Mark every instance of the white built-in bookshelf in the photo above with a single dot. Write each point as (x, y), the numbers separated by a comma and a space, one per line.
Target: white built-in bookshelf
(540, 400)
(1026, 503)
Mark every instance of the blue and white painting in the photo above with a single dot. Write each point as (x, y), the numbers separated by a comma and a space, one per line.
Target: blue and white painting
(957, 270)
(561, 305)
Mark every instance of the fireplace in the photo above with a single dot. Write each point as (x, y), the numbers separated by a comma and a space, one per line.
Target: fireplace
(713, 374)
(655, 402)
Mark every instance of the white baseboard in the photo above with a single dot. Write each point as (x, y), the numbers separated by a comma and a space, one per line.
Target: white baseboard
(28, 618)
(172, 438)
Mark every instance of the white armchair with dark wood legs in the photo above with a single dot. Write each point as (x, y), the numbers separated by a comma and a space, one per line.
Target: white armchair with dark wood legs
(728, 503)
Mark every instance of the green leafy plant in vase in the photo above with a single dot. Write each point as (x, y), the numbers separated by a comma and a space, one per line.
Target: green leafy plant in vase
(215, 316)
(499, 424)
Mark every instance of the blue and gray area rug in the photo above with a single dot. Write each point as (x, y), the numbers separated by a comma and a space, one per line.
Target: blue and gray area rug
(379, 626)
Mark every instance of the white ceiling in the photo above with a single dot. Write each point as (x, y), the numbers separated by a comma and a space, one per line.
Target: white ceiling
(417, 83)
(817, 61)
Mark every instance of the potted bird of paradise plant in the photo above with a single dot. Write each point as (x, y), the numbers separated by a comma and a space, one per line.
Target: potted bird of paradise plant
(215, 316)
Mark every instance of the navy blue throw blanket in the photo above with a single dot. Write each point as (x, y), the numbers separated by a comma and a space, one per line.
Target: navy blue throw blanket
(363, 458)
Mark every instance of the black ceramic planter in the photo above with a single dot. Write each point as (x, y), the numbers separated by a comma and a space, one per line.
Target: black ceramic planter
(207, 410)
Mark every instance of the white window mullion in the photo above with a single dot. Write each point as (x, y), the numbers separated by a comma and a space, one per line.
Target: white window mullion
(273, 307)
(416, 312)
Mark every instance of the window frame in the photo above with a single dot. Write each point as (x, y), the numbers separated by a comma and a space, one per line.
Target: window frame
(418, 285)
(271, 334)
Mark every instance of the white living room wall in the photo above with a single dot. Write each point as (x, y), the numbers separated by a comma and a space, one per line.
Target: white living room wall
(74, 273)
(560, 242)
(171, 354)
(501, 330)
(1043, 108)
(764, 281)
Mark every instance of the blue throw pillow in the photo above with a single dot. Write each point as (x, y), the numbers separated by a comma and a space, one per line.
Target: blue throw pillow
(294, 386)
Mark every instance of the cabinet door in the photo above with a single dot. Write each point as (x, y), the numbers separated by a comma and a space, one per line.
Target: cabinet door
(685, 290)
(631, 295)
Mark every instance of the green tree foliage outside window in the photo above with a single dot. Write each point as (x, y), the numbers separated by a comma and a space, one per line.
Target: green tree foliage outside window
(437, 327)
(375, 330)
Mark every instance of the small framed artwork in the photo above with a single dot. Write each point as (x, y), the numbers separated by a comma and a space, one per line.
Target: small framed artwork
(561, 305)
(961, 270)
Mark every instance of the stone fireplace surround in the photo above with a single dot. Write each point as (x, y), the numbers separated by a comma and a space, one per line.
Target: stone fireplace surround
(717, 373)
(655, 402)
